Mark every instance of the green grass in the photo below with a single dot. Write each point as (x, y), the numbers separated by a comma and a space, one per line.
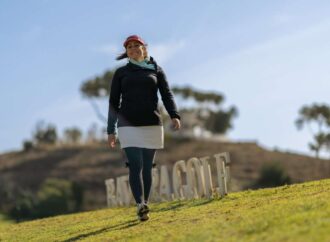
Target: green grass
(298, 212)
(4, 221)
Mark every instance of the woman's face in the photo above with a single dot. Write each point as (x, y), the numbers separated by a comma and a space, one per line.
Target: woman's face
(135, 50)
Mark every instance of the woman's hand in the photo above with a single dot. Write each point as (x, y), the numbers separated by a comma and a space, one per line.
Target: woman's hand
(112, 140)
(176, 124)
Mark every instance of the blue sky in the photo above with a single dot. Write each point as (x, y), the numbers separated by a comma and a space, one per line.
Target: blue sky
(268, 58)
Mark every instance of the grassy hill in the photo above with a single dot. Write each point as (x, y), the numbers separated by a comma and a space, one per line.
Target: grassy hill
(90, 165)
(4, 220)
(299, 212)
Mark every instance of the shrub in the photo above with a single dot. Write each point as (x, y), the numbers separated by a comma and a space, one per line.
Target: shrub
(53, 198)
(23, 207)
(73, 135)
(272, 175)
(45, 134)
(56, 196)
(27, 145)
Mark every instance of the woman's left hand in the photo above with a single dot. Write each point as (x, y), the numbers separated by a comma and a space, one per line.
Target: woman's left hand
(176, 124)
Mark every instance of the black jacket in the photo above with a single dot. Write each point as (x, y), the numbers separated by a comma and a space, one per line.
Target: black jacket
(133, 97)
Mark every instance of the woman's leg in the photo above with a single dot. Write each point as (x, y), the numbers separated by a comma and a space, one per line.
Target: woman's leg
(148, 156)
(135, 163)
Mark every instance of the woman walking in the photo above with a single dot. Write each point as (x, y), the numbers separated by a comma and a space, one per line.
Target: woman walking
(135, 119)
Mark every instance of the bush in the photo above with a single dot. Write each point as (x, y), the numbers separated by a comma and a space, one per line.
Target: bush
(23, 207)
(72, 135)
(27, 145)
(272, 175)
(56, 196)
(45, 134)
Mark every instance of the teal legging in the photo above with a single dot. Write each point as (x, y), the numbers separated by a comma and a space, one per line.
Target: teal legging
(140, 160)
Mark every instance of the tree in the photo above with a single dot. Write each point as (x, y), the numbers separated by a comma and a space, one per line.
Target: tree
(72, 135)
(92, 134)
(97, 88)
(316, 115)
(327, 142)
(220, 121)
(45, 134)
(201, 97)
(208, 106)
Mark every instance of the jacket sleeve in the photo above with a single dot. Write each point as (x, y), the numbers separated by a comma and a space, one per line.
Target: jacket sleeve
(114, 103)
(167, 95)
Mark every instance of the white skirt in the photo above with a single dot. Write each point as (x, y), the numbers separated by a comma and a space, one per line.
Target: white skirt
(151, 137)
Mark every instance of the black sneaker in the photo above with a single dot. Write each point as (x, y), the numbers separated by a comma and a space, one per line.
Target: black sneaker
(146, 208)
(143, 212)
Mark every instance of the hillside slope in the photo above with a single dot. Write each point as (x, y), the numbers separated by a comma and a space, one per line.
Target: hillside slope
(298, 212)
(91, 165)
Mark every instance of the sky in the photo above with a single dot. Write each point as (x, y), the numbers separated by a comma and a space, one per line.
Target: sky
(268, 58)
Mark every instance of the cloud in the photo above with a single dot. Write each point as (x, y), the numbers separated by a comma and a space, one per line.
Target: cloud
(107, 49)
(164, 52)
(288, 55)
(298, 38)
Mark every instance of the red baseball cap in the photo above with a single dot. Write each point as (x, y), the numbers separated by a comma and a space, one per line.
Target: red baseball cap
(134, 38)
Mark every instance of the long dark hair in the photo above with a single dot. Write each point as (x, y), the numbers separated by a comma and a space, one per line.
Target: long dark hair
(122, 56)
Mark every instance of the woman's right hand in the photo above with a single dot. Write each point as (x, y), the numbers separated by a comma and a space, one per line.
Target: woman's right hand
(112, 140)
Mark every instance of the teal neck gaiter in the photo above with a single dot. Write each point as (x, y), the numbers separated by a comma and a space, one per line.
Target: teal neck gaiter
(144, 64)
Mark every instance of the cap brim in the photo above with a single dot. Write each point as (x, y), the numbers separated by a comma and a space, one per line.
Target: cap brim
(130, 40)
